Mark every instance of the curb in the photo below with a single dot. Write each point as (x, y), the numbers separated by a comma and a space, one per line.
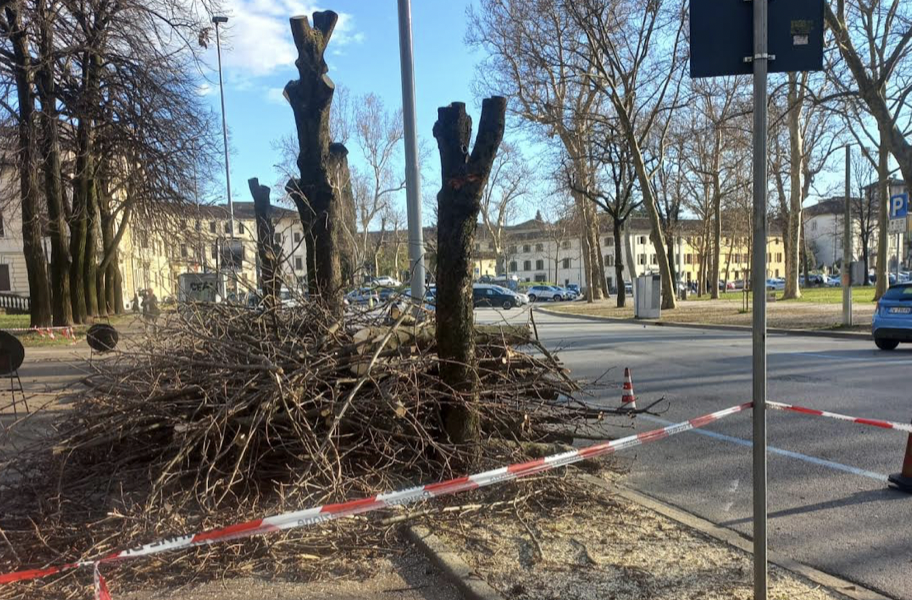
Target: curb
(471, 586)
(843, 335)
(732, 538)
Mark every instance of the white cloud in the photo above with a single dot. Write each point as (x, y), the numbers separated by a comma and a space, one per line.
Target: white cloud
(259, 38)
(205, 89)
(276, 95)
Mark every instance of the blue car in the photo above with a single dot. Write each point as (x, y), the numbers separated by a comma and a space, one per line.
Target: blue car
(892, 322)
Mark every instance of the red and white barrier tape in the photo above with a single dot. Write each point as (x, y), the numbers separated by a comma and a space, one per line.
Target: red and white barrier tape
(831, 415)
(48, 332)
(330, 512)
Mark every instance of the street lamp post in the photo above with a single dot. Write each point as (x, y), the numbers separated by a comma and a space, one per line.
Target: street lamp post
(217, 20)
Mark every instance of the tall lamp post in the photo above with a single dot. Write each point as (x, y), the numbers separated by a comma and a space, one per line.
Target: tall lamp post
(217, 20)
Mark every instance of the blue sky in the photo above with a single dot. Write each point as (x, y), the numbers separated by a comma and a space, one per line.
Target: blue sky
(363, 55)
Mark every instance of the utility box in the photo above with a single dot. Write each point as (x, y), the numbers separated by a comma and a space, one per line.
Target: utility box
(648, 297)
(856, 273)
(197, 287)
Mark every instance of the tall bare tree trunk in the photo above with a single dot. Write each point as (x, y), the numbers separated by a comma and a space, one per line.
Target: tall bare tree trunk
(91, 240)
(321, 205)
(717, 217)
(458, 205)
(883, 237)
(35, 261)
(796, 190)
(619, 260)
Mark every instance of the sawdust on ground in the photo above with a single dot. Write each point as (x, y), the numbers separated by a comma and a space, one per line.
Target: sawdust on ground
(609, 548)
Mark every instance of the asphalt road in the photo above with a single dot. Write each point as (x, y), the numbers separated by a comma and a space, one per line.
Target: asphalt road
(829, 503)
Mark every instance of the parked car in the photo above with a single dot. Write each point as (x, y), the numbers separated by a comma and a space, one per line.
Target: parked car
(545, 292)
(834, 281)
(386, 281)
(363, 295)
(813, 280)
(575, 288)
(892, 322)
(775, 284)
(568, 293)
(488, 295)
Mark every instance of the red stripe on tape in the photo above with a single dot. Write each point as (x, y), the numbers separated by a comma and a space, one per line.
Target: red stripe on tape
(353, 505)
(228, 532)
(882, 424)
(651, 436)
(34, 573)
(532, 464)
(448, 487)
(807, 411)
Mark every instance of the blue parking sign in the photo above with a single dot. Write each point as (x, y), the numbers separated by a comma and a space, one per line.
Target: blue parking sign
(899, 206)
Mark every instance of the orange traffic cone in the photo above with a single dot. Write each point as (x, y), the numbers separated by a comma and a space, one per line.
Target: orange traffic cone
(628, 398)
(903, 480)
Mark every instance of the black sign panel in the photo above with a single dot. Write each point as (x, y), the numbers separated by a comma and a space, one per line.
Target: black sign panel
(722, 36)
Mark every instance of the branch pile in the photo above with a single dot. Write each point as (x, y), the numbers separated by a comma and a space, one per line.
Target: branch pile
(223, 413)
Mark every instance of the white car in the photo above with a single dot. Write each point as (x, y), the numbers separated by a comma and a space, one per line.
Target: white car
(545, 292)
(386, 281)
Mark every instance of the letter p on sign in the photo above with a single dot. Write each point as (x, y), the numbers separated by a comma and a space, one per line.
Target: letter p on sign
(899, 206)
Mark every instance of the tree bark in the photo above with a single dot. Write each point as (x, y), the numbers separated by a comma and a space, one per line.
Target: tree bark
(883, 207)
(617, 228)
(717, 217)
(796, 188)
(35, 261)
(53, 186)
(267, 250)
(463, 179)
(91, 240)
(320, 203)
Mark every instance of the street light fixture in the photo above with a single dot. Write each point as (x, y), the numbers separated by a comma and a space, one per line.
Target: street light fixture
(217, 20)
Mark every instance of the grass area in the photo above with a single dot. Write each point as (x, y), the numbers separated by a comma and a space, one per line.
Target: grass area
(34, 340)
(810, 295)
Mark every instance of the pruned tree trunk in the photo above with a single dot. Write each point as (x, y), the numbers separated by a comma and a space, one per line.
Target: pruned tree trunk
(619, 264)
(796, 187)
(267, 250)
(91, 241)
(321, 163)
(35, 261)
(463, 179)
(717, 216)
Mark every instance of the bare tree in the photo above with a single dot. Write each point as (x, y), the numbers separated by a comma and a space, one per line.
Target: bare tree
(534, 55)
(632, 57)
(508, 184)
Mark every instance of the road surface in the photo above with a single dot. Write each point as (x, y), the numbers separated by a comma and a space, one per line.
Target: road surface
(829, 503)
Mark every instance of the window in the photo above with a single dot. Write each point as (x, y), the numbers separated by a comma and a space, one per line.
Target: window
(513, 266)
(609, 241)
(539, 247)
(477, 247)
(511, 250)
(777, 273)
(527, 265)
(228, 227)
(736, 258)
(299, 263)
(540, 278)
(2, 231)
(297, 237)
(566, 263)
(778, 257)
(813, 225)
(214, 250)
(769, 257)
(213, 228)
(278, 239)
(653, 260)
(527, 248)
(688, 259)
(641, 259)
(641, 240)
(240, 228)
(144, 242)
(183, 224)
(183, 250)
(490, 245)
(565, 244)
(196, 225)
(5, 278)
(539, 264)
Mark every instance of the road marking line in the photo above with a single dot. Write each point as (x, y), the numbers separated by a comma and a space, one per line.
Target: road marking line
(787, 453)
(850, 358)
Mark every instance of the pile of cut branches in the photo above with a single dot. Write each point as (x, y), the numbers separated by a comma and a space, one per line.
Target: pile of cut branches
(222, 413)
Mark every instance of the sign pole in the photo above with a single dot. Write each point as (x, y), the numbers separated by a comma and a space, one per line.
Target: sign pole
(760, 60)
(846, 275)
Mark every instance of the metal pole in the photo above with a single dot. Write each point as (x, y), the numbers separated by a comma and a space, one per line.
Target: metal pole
(218, 49)
(846, 276)
(412, 172)
(760, 59)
